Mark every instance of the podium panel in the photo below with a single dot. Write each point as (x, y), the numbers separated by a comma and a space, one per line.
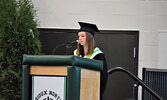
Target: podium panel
(48, 82)
(48, 70)
(48, 88)
(90, 85)
(60, 77)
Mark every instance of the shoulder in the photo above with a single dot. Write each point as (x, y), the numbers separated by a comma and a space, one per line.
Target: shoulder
(96, 52)
(97, 49)
(99, 56)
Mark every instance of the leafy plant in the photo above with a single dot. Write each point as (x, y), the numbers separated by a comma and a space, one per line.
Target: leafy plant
(18, 36)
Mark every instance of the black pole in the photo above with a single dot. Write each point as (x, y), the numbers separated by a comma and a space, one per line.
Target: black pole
(135, 91)
(140, 82)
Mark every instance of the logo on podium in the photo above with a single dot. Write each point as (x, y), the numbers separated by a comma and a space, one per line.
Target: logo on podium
(48, 88)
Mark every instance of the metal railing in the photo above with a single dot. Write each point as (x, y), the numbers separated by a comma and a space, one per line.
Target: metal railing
(138, 80)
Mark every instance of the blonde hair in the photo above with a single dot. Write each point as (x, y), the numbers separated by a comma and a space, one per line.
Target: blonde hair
(91, 45)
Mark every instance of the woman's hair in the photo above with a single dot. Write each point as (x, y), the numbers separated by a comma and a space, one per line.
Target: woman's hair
(91, 45)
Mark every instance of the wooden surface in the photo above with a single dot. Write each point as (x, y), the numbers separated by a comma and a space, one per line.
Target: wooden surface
(48, 70)
(90, 85)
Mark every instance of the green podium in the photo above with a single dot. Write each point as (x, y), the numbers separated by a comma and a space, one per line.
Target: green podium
(60, 77)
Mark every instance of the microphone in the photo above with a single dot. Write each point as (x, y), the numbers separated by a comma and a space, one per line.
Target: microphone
(73, 42)
(78, 42)
(68, 45)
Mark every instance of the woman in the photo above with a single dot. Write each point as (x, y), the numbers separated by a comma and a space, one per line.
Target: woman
(87, 49)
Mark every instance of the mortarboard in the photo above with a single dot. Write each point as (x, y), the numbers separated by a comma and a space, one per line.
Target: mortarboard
(87, 27)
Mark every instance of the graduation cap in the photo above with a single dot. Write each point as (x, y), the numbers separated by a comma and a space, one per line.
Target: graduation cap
(87, 27)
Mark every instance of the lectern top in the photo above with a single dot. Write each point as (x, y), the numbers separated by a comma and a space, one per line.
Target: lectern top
(63, 60)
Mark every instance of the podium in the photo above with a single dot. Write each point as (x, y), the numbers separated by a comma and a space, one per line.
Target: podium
(60, 77)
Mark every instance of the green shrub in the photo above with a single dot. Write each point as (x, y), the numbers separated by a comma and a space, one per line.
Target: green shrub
(18, 36)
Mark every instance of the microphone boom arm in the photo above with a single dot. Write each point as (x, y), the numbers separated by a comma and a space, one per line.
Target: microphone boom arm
(68, 45)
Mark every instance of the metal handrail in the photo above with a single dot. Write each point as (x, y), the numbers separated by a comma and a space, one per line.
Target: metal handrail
(140, 82)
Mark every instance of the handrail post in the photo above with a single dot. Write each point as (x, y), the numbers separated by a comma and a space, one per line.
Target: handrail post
(135, 90)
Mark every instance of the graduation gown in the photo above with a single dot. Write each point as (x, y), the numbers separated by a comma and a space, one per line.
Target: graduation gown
(104, 73)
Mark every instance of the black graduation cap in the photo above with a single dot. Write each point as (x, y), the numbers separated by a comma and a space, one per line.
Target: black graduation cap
(88, 27)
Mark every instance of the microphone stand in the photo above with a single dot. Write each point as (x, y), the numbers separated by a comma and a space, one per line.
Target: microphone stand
(58, 47)
(68, 45)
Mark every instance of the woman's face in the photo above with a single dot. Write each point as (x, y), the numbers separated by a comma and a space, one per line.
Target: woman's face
(82, 38)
